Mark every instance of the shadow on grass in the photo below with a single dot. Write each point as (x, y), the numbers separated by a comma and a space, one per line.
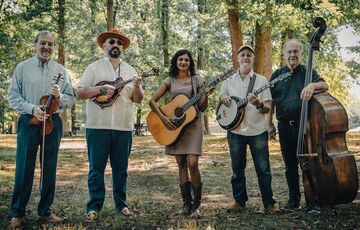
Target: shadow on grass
(154, 194)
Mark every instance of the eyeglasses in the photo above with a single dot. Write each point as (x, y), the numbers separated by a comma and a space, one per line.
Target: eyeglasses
(184, 59)
(119, 42)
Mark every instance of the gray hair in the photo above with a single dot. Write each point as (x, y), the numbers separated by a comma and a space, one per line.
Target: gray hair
(41, 33)
(294, 40)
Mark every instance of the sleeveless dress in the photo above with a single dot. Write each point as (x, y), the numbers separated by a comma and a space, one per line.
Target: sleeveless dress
(191, 140)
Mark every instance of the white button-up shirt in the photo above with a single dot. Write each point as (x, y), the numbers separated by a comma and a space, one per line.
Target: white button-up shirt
(254, 121)
(119, 116)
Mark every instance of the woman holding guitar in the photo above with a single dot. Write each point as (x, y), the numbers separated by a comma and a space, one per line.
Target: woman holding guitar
(187, 149)
(251, 131)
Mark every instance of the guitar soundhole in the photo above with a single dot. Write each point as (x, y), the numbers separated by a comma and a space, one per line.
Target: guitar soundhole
(179, 112)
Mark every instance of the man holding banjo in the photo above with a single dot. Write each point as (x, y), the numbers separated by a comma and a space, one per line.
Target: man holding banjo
(251, 130)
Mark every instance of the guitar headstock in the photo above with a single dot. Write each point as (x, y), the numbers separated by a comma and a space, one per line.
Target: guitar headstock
(154, 71)
(58, 78)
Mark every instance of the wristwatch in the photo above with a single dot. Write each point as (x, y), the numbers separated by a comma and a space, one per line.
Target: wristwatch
(103, 90)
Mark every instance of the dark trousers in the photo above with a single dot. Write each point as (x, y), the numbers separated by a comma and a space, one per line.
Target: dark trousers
(103, 143)
(29, 139)
(288, 135)
(260, 153)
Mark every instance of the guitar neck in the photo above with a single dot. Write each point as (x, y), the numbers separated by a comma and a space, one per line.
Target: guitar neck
(198, 96)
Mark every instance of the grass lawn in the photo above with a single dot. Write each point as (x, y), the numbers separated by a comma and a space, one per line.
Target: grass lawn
(154, 194)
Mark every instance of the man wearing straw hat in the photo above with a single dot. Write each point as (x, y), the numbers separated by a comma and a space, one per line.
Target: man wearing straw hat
(109, 129)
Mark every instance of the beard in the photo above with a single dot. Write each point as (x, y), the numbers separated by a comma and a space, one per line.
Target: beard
(114, 52)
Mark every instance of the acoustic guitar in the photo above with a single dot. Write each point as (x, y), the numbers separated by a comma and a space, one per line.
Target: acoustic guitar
(229, 117)
(104, 101)
(181, 112)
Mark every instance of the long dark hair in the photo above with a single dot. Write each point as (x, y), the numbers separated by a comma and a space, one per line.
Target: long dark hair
(174, 71)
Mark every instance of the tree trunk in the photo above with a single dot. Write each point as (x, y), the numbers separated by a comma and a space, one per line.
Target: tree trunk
(93, 11)
(259, 50)
(61, 55)
(263, 51)
(164, 23)
(201, 58)
(235, 29)
(110, 14)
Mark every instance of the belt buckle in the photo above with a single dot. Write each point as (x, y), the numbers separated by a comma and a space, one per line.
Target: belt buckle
(291, 123)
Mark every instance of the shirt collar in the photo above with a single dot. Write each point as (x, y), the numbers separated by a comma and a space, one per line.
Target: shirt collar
(251, 74)
(38, 62)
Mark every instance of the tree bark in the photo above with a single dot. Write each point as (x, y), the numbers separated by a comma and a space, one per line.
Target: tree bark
(61, 55)
(235, 29)
(164, 23)
(263, 48)
(110, 14)
(201, 59)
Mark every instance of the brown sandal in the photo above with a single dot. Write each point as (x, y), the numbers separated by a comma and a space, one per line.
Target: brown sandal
(91, 216)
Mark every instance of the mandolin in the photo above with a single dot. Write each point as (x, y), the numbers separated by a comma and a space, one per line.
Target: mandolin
(104, 101)
(182, 113)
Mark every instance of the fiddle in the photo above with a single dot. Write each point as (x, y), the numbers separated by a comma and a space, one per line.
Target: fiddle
(49, 104)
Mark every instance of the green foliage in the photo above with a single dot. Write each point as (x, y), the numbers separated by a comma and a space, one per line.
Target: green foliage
(189, 29)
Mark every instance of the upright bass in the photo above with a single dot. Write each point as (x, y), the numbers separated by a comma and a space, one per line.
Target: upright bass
(328, 168)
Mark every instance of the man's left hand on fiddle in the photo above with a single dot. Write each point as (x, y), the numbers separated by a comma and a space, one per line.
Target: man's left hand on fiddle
(55, 91)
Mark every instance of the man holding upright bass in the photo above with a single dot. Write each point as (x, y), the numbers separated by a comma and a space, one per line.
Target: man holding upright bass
(251, 131)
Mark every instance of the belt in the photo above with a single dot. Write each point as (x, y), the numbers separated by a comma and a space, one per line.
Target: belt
(290, 122)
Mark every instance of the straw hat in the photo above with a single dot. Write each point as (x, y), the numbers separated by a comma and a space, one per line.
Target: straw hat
(113, 33)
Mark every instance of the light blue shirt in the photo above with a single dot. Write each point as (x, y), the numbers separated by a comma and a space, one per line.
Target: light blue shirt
(31, 81)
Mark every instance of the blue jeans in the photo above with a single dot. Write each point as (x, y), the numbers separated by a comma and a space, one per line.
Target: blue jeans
(103, 143)
(29, 138)
(260, 153)
(288, 136)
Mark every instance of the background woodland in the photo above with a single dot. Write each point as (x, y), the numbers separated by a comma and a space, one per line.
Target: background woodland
(211, 29)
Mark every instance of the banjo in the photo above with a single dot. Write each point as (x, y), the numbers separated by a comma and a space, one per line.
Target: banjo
(230, 117)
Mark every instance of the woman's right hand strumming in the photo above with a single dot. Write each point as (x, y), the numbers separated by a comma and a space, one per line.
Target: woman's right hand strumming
(167, 122)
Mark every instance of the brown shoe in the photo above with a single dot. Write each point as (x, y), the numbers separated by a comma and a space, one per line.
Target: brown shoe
(51, 218)
(16, 223)
(271, 209)
(235, 207)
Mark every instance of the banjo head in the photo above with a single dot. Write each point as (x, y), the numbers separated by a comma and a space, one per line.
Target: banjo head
(226, 115)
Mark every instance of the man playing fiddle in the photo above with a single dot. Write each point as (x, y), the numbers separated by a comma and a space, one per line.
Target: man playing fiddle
(32, 79)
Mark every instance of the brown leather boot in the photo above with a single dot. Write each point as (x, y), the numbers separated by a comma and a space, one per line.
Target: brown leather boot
(187, 198)
(197, 200)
